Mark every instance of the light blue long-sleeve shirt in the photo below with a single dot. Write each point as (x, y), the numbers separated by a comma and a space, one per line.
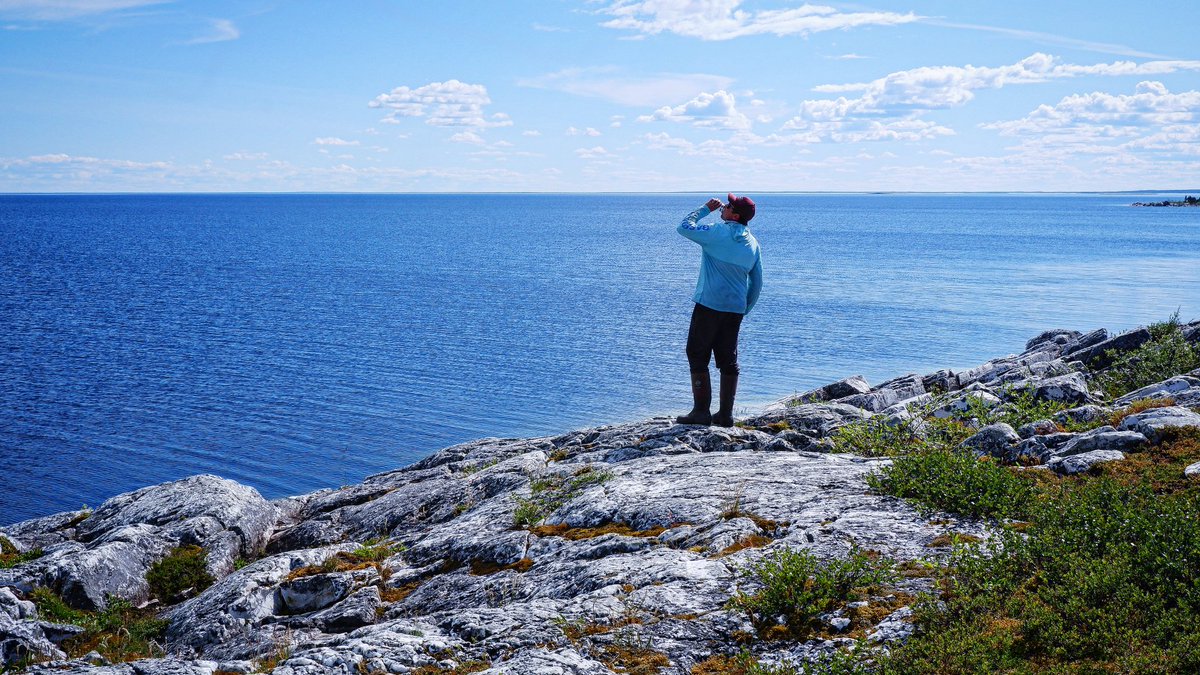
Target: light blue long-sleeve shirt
(730, 263)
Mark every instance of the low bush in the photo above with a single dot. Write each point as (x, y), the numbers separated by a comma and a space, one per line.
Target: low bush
(839, 662)
(939, 478)
(120, 632)
(1103, 580)
(183, 572)
(1165, 355)
(795, 585)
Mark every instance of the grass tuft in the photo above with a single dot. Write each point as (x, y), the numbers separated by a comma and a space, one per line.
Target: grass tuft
(795, 585)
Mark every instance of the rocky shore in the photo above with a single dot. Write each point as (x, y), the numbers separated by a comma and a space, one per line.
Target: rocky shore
(617, 548)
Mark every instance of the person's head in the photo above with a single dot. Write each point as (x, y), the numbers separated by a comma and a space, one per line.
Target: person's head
(740, 209)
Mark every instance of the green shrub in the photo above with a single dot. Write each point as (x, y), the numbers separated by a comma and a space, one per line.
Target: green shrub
(1166, 354)
(1021, 408)
(182, 569)
(938, 478)
(794, 584)
(875, 437)
(120, 632)
(1103, 580)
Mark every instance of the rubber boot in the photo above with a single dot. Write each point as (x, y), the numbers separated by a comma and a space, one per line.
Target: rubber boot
(724, 416)
(702, 395)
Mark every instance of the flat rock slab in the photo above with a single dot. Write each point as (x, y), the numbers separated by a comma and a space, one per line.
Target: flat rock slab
(1083, 462)
(1151, 423)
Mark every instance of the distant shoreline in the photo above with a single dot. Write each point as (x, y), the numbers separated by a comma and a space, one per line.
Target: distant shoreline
(1187, 201)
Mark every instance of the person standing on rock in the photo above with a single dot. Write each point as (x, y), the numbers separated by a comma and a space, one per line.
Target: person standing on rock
(729, 284)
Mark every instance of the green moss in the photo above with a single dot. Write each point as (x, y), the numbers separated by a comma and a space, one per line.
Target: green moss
(183, 570)
(547, 494)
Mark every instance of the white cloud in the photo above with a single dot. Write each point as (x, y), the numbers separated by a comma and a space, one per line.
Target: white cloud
(615, 85)
(888, 108)
(468, 137)
(723, 20)
(1051, 39)
(1150, 105)
(222, 30)
(246, 156)
(710, 148)
(717, 110)
(572, 131)
(937, 87)
(531, 132)
(847, 57)
(597, 152)
(51, 10)
(444, 104)
(543, 28)
(333, 140)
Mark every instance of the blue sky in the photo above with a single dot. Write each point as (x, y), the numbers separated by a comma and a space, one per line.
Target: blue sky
(597, 95)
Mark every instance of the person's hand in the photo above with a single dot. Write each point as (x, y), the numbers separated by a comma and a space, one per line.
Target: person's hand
(713, 204)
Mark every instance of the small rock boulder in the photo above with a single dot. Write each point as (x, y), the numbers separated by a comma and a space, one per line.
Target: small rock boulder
(1074, 464)
(958, 405)
(1151, 423)
(1182, 388)
(1038, 428)
(995, 440)
(1102, 438)
(1084, 414)
(1193, 470)
(1069, 388)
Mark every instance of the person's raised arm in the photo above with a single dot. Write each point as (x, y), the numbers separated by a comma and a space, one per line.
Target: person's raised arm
(690, 226)
(755, 285)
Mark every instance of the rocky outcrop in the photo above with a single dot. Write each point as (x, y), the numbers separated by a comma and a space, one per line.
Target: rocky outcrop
(540, 555)
(91, 557)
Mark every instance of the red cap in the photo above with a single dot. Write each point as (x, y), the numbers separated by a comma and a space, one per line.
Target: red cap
(743, 207)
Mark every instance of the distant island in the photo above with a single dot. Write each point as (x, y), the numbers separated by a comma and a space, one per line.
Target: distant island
(1187, 201)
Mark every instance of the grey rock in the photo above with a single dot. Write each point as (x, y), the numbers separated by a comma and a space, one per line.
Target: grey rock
(1084, 341)
(1192, 471)
(355, 611)
(995, 440)
(1070, 388)
(814, 419)
(1101, 438)
(957, 405)
(1038, 428)
(846, 387)
(238, 617)
(1151, 423)
(1097, 357)
(310, 593)
(1181, 388)
(15, 607)
(906, 387)
(118, 543)
(20, 639)
(897, 626)
(1084, 414)
(942, 381)
(1080, 463)
(1056, 336)
(1032, 448)
(874, 401)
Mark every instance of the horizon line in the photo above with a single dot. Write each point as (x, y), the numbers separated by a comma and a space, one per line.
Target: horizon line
(606, 192)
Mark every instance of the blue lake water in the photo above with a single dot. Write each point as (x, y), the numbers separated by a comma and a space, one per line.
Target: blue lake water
(295, 342)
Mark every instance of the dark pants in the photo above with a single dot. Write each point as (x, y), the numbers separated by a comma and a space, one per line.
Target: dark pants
(713, 333)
